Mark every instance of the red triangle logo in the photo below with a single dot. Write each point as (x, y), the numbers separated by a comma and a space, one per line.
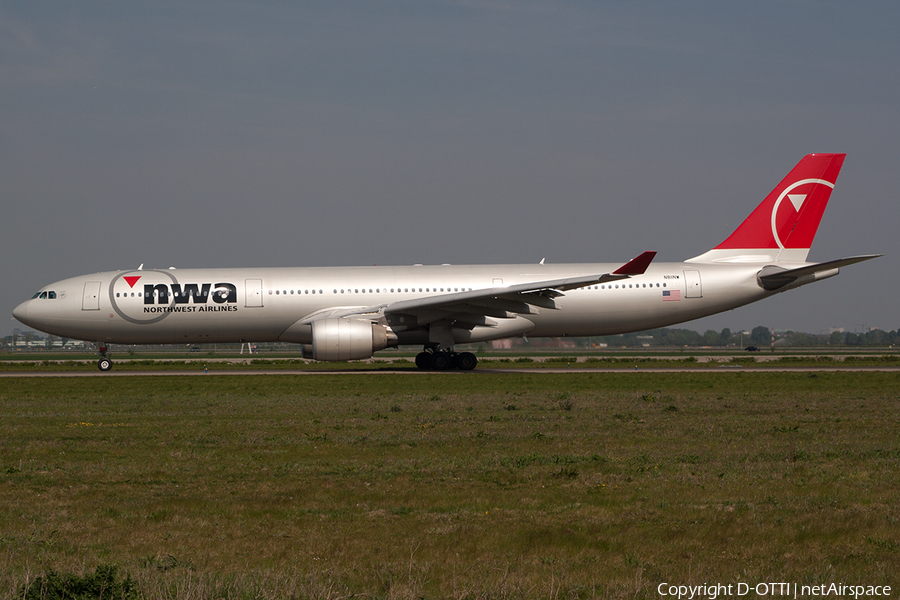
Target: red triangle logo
(132, 280)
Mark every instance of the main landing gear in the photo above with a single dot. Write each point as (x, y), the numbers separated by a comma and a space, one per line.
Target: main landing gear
(105, 362)
(441, 360)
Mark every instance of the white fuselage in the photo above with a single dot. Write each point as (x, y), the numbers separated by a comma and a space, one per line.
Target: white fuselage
(262, 305)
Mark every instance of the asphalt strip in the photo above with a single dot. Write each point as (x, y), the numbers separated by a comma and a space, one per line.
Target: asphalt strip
(201, 373)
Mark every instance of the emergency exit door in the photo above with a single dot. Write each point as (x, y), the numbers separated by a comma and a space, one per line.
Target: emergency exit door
(253, 293)
(693, 288)
(91, 298)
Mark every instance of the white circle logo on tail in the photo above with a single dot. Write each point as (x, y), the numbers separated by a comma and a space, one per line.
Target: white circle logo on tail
(796, 200)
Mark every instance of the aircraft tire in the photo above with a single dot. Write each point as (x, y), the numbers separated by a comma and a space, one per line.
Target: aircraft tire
(441, 361)
(466, 361)
(104, 364)
(423, 360)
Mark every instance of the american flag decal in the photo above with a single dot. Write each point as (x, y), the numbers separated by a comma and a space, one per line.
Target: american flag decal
(671, 295)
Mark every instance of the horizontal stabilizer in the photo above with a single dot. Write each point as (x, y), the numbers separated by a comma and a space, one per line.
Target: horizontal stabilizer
(773, 277)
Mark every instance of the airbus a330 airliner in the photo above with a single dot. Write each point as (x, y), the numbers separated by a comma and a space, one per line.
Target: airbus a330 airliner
(348, 313)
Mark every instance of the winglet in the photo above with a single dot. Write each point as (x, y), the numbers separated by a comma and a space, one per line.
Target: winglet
(637, 265)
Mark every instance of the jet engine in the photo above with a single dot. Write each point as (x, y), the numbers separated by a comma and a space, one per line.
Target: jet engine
(348, 339)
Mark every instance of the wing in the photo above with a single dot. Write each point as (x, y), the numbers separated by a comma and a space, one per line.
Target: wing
(477, 307)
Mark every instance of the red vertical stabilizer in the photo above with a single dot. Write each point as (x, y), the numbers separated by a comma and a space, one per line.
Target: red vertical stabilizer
(784, 224)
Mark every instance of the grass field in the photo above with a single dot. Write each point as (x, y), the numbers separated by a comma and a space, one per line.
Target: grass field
(478, 485)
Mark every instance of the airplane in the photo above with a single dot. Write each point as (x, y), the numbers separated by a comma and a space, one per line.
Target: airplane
(349, 313)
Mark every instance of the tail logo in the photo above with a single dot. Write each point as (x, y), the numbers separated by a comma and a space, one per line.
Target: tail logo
(786, 219)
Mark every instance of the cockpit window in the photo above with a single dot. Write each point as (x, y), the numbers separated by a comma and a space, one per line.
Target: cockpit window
(43, 295)
(51, 295)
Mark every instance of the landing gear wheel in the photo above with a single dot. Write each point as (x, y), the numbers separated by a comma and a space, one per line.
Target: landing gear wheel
(466, 361)
(423, 360)
(441, 361)
(104, 364)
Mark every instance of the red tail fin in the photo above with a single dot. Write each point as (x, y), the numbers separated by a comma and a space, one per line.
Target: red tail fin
(783, 226)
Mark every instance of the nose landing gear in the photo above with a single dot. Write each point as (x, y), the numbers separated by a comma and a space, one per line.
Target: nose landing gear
(105, 363)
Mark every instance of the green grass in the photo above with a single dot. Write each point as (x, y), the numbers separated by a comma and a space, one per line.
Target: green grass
(472, 485)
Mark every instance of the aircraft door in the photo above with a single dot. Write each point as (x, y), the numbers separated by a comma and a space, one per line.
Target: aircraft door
(91, 298)
(253, 293)
(693, 288)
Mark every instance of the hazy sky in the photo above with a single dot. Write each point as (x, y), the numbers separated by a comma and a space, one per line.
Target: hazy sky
(341, 133)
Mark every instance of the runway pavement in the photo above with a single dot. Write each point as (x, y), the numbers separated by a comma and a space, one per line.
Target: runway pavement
(413, 371)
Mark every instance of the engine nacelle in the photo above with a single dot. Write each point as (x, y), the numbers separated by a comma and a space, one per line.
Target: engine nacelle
(348, 339)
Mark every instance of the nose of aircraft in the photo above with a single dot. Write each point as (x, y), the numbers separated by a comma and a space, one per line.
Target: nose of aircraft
(21, 313)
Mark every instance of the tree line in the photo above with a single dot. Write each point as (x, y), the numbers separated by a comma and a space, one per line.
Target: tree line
(759, 336)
